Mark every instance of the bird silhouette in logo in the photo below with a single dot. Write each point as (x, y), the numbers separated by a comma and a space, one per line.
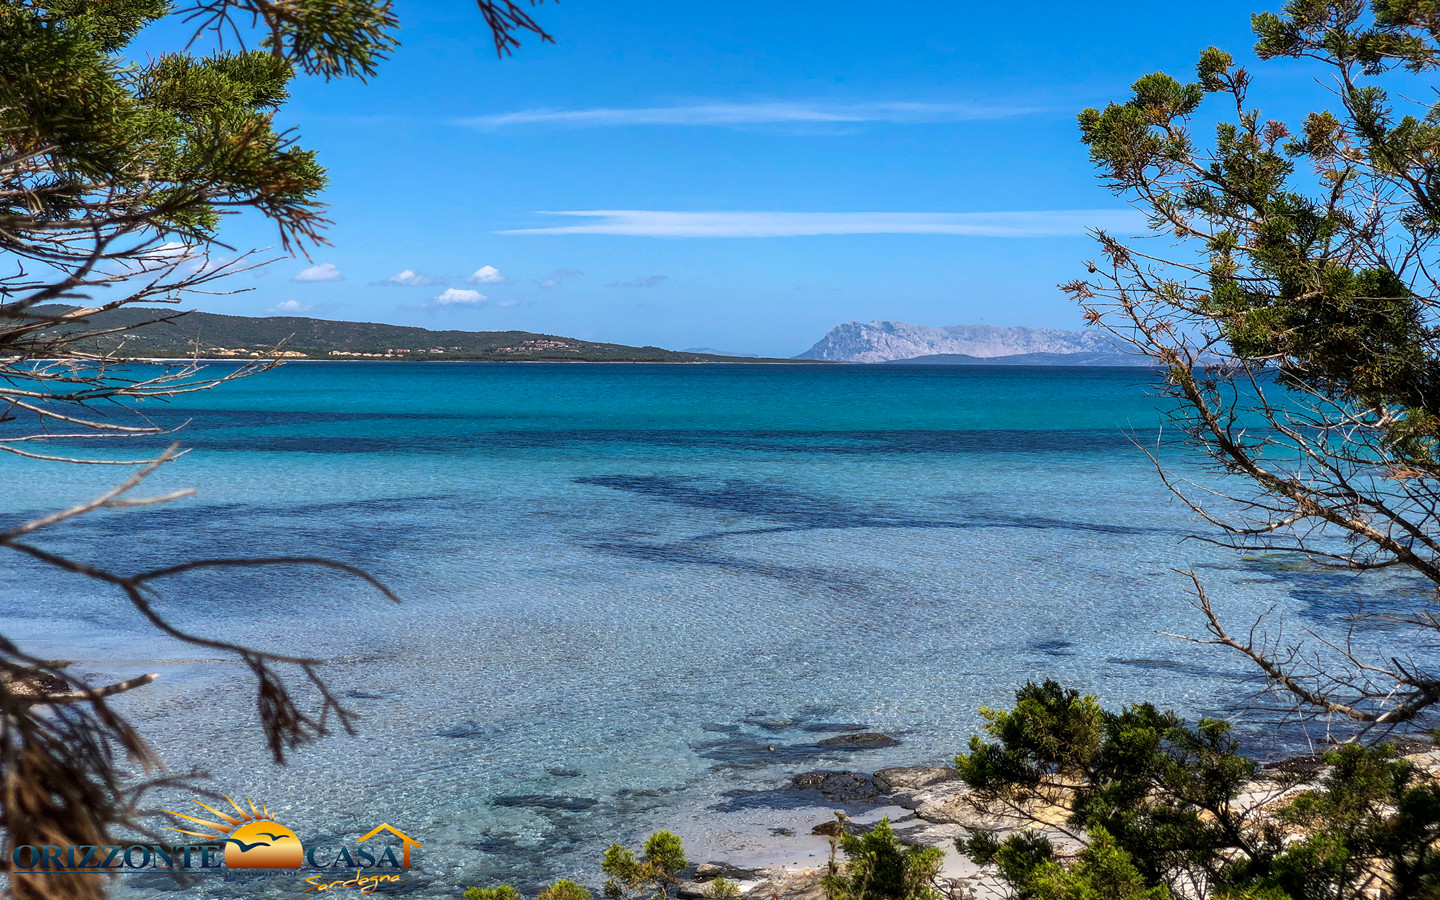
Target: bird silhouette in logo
(242, 850)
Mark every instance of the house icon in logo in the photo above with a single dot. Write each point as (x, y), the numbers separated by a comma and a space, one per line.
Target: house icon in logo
(409, 841)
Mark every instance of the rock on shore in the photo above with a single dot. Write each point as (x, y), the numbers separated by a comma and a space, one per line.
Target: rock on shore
(931, 806)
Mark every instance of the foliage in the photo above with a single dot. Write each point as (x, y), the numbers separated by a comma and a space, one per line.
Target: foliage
(502, 892)
(1294, 312)
(1169, 808)
(656, 873)
(159, 147)
(1101, 871)
(1049, 729)
(722, 889)
(565, 889)
(879, 867)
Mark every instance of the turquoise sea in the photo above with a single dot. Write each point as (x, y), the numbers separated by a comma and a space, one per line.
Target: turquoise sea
(639, 596)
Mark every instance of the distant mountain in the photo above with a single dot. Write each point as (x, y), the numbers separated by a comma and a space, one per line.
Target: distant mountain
(713, 352)
(136, 334)
(875, 342)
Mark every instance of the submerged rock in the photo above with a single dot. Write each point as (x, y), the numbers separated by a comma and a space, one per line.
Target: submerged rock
(852, 791)
(842, 787)
(767, 722)
(742, 752)
(469, 729)
(823, 727)
(863, 739)
(544, 801)
(358, 694)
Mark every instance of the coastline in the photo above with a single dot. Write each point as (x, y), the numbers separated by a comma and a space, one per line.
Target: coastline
(783, 850)
(1008, 367)
(927, 806)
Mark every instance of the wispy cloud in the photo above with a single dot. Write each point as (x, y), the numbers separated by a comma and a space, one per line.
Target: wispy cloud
(1007, 224)
(649, 281)
(410, 278)
(737, 114)
(555, 278)
(322, 272)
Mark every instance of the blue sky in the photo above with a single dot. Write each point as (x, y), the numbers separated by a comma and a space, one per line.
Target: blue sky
(720, 167)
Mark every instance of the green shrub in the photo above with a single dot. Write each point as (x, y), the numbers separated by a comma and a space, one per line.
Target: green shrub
(503, 892)
(722, 889)
(1102, 871)
(565, 890)
(1161, 801)
(879, 867)
(655, 874)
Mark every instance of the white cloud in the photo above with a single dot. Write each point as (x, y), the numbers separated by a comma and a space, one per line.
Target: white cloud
(458, 297)
(322, 272)
(289, 307)
(167, 250)
(208, 265)
(555, 278)
(155, 258)
(409, 278)
(487, 275)
(1011, 224)
(187, 260)
(733, 114)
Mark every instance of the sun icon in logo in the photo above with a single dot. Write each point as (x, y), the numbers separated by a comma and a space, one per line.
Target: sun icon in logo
(253, 841)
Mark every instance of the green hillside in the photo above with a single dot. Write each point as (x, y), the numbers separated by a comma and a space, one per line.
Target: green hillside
(138, 335)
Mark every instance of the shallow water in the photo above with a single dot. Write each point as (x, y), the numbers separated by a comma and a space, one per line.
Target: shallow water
(624, 585)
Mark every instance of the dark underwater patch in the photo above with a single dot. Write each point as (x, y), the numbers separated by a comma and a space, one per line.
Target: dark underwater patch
(851, 792)
(1379, 600)
(1166, 665)
(545, 801)
(744, 752)
(1053, 647)
(800, 512)
(752, 498)
(690, 553)
(470, 729)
